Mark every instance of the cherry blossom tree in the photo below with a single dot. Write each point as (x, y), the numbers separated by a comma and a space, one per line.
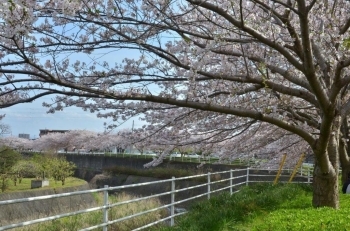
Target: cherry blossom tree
(16, 143)
(109, 142)
(69, 141)
(51, 142)
(4, 128)
(280, 62)
(227, 139)
(75, 140)
(81, 140)
(138, 139)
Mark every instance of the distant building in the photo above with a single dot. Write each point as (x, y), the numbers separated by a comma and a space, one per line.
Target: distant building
(48, 131)
(24, 136)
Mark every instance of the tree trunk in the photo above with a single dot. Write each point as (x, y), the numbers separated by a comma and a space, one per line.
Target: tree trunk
(325, 184)
(326, 174)
(325, 190)
(3, 184)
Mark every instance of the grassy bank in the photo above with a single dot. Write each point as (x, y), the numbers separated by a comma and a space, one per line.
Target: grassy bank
(25, 185)
(81, 221)
(265, 207)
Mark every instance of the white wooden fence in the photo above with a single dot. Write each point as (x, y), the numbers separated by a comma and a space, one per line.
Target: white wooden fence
(231, 183)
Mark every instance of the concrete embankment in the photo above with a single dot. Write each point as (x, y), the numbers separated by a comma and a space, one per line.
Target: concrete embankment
(36, 209)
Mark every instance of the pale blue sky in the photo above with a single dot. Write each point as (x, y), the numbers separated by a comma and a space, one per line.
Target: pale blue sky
(29, 118)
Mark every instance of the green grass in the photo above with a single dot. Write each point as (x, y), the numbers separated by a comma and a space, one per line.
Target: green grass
(26, 183)
(78, 222)
(265, 207)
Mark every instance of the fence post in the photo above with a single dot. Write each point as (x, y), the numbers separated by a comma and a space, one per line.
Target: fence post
(308, 175)
(247, 179)
(231, 175)
(172, 207)
(105, 210)
(208, 185)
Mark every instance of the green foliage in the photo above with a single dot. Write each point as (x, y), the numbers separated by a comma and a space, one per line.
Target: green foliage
(39, 166)
(346, 43)
(295, 215)
(25, 168)
(52, 165)
(8, 158)
(227, 212)
(60, 169)
(43, 166)
(4, 182)
(43, 163)
(265, 207)
(309, 219)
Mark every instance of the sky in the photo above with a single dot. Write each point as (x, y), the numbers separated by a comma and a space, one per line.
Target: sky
(29, 118)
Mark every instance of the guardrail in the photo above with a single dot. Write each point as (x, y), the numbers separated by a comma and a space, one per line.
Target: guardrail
(180, 158)
(206, 184)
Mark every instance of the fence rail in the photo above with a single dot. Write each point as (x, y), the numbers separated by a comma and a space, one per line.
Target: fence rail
(209, 184)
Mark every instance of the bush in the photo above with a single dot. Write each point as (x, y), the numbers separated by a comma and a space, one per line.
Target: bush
(8, 158)
(60, 169)
(51, 165)
(25, 169)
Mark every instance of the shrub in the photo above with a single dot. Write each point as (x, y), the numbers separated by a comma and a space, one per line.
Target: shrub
(60, 169)
(8, 158)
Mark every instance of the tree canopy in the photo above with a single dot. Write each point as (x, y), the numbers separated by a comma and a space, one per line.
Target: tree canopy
(222, 68)
(8, 158)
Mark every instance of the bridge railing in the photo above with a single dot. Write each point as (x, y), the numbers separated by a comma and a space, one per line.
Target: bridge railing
(206, 185)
